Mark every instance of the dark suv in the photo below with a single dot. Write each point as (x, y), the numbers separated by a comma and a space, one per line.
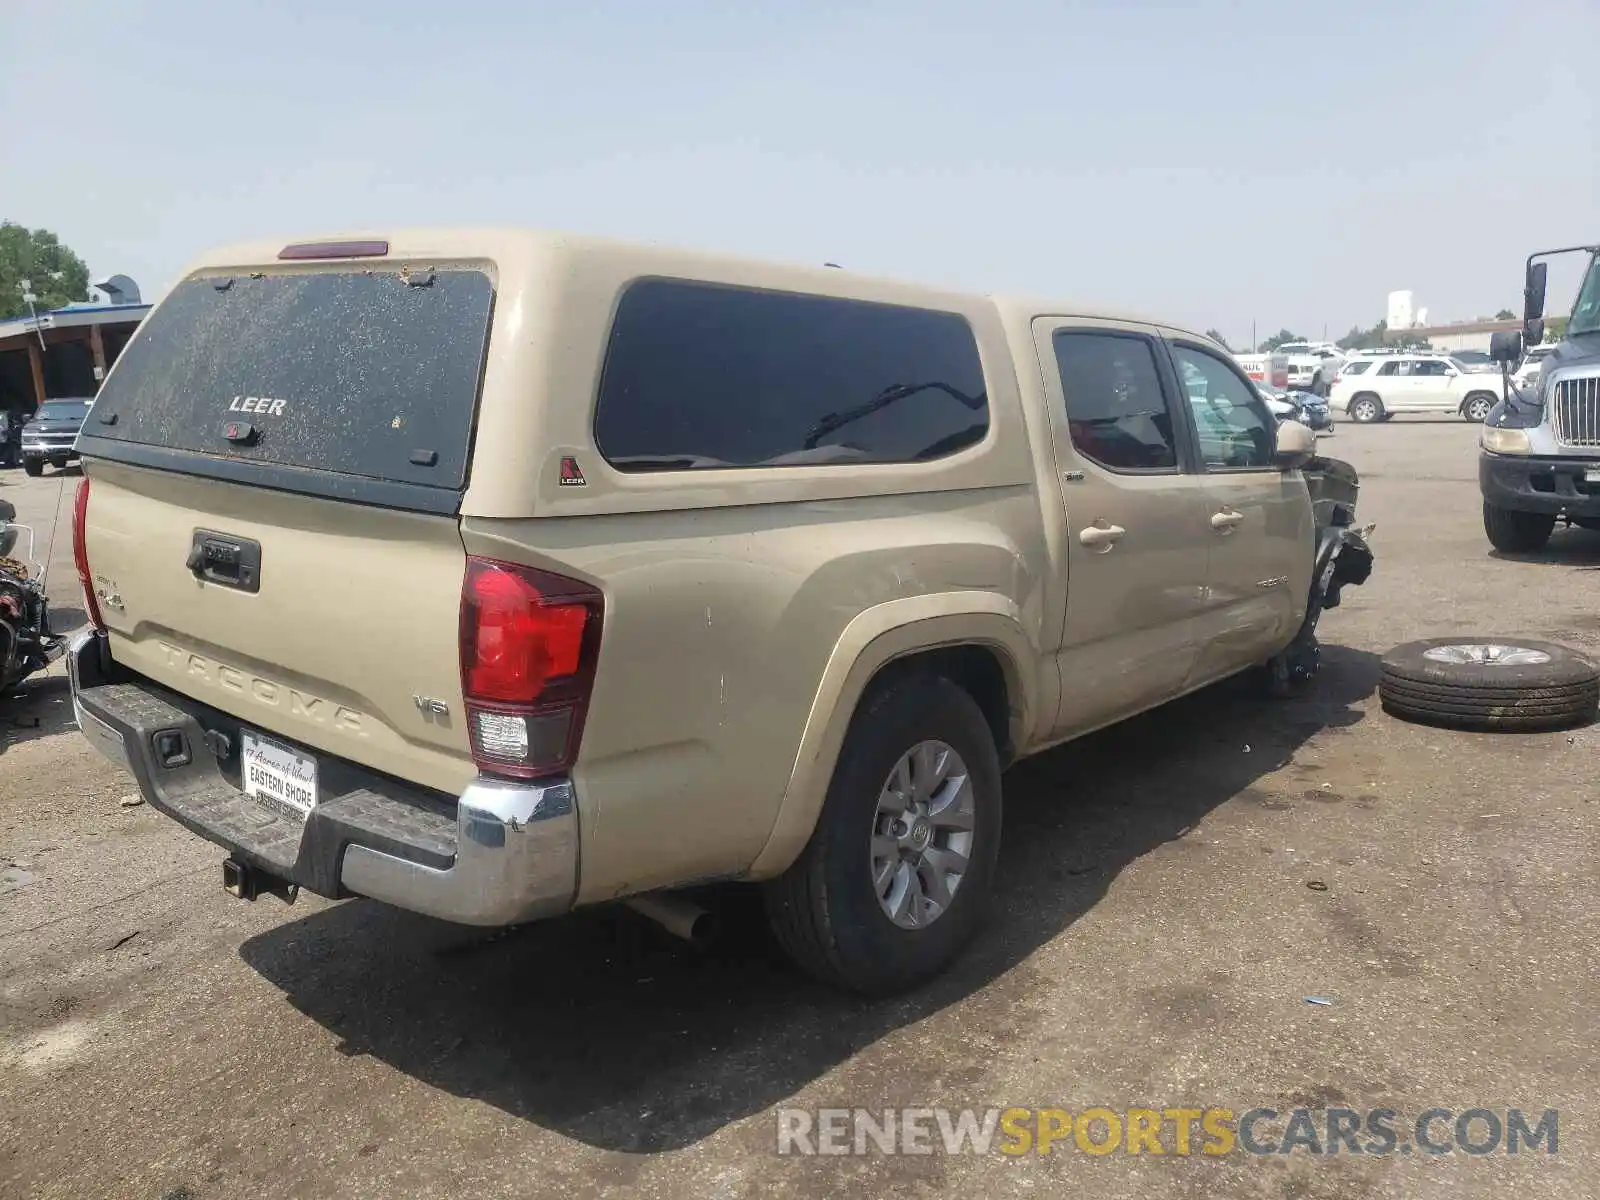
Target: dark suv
(52, 434)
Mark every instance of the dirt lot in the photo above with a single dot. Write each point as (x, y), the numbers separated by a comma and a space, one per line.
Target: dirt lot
(1155, 943)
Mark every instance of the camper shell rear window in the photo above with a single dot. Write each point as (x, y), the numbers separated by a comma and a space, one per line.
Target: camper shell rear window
(361, 384)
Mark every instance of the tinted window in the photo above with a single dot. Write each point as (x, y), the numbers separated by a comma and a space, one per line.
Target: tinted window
(1236, 430)
(1429, 368)
(1116, 411)
(1389, 368)
(357, 373)
(701, 376)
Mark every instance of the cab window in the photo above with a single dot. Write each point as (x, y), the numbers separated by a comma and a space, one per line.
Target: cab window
(1117, 413)
(1430, 368)
(1235, 429)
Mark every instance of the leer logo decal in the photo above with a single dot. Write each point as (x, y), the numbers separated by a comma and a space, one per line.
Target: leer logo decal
(265, 405)
(571, 475)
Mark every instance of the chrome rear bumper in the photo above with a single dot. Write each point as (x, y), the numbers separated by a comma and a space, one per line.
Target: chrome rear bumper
(504, 853)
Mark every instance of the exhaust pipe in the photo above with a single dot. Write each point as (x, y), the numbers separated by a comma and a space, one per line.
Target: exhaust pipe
(679, 917)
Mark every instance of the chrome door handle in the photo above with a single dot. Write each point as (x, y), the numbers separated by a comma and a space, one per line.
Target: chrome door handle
(1101, 537)
(1224, 521)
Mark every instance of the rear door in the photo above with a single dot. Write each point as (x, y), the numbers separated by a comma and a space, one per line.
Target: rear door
(1135, 515)
(1257, 519)
(1380, 379)
(1432, 381)
(275, 466)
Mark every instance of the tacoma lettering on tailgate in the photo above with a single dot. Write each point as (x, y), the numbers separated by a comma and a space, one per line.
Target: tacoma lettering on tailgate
(299, 704)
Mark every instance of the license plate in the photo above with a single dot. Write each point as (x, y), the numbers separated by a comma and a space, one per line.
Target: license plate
(278, 779)
(1591, 474)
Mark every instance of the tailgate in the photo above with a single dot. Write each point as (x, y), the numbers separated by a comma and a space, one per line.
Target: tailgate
(275, 465)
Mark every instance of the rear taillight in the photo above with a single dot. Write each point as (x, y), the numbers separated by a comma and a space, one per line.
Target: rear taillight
(529, 643)
(80, 553)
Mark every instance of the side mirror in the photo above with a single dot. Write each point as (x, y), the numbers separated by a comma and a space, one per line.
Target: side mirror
(1533, 291)
(1296, 446)
(1533, 303)
(1505, 347)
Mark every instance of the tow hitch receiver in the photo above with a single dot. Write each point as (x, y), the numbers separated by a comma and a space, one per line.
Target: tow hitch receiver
(245, 882)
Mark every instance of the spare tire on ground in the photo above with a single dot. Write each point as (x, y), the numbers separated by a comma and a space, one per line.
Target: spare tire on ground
(1493, 683)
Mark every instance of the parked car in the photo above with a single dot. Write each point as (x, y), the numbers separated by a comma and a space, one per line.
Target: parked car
(10, 438)
(1312, 365)
(708, 605)
(49, 436)
(1476, 361)
(1527, 373)
(1305, 407)
(1278, 403)
(1375, 389)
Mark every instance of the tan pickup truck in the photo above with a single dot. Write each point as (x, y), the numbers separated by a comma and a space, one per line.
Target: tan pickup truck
(489, 573)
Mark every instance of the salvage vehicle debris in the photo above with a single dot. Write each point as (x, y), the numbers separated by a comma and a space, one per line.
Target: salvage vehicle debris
(26, 643)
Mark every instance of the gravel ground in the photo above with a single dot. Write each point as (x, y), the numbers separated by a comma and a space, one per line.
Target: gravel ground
(1154, 947)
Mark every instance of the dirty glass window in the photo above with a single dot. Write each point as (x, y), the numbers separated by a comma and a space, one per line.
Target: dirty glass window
(63, 410)
(1236, 430)
(365, 373)
(1117, 413)
(701, 376)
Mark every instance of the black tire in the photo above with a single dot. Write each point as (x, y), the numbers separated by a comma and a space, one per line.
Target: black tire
(823, 910)
(1366, 409)
(1558, 693)
(33, 466)
(1476, 407)
(1512, 532)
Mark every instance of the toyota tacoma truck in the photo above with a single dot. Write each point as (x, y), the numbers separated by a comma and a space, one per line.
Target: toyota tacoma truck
(491, 574)
(1539, 458)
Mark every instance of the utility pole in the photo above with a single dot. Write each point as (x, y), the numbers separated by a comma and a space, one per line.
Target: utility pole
(28, 297)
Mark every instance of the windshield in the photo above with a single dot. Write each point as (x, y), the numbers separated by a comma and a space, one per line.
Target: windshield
(62, 410)
(1586, 312)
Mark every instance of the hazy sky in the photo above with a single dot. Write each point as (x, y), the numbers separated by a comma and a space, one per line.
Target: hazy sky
(1215, 163)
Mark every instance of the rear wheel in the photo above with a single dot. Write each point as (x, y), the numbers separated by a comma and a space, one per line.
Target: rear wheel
(898, 873)
(1513, 532)
(1364, 410)
(1477, 407)
(33, 466)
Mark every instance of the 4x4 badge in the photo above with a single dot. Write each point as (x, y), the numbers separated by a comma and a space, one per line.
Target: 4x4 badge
(571, 476)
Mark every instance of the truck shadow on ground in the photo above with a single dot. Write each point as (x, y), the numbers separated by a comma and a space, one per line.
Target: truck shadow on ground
(605, 1030)
(36, 708)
